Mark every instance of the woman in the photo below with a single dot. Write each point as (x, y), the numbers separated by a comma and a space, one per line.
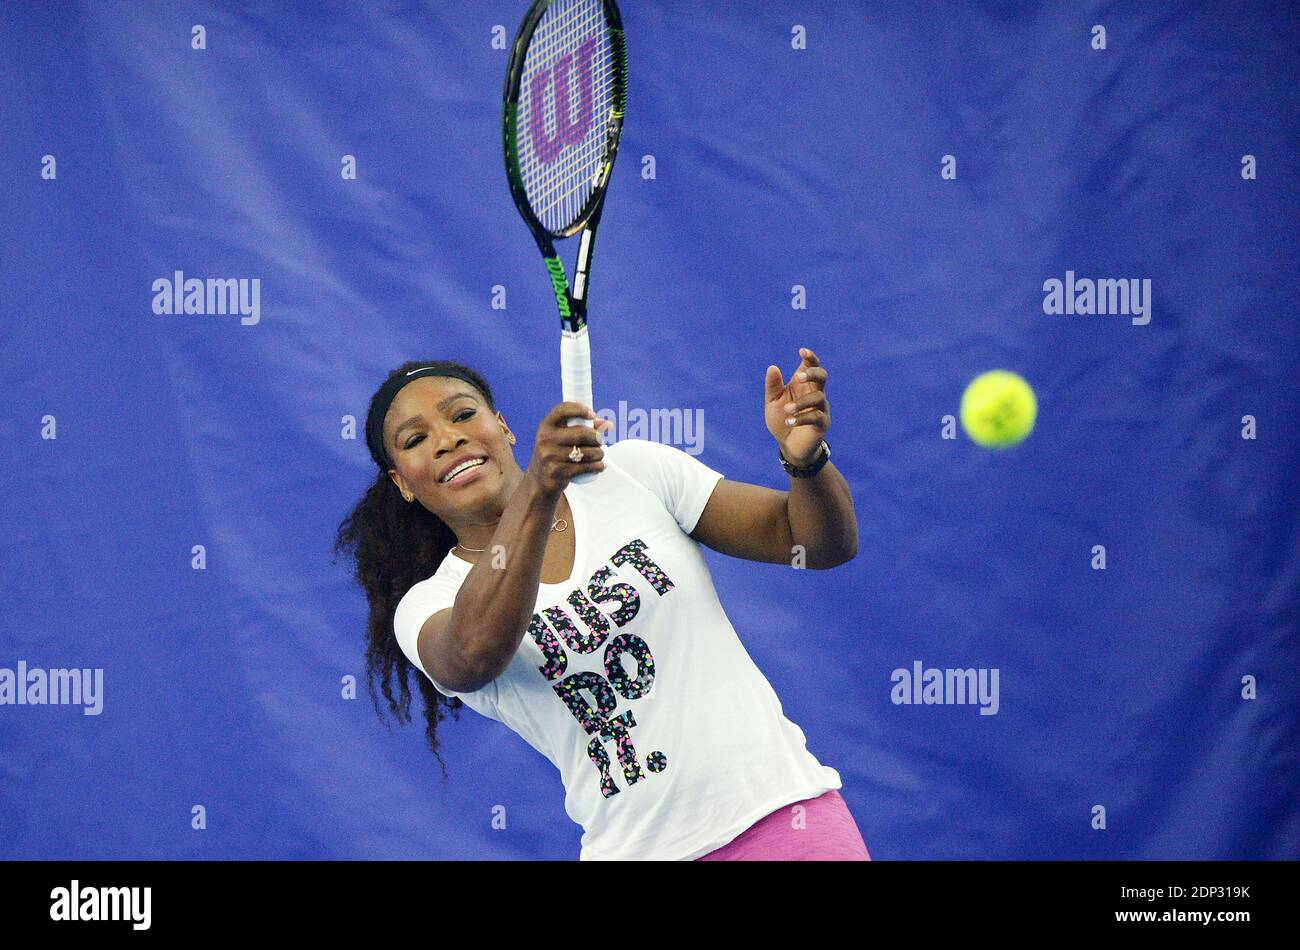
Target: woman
(571, 602)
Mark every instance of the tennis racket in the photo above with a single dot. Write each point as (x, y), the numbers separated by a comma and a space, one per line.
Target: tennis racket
(566, 88)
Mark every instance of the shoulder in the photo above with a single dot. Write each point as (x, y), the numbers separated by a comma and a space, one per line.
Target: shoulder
(656, 465)
(451, 572)
(680, 481)
(645, 452)
(633, 449)
(423, 599)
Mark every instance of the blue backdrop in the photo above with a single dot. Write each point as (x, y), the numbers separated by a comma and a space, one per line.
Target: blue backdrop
(1157, 696)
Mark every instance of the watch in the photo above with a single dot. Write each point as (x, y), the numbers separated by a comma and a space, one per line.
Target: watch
(811, 469)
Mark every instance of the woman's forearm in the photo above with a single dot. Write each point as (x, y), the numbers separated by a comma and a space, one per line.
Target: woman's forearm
(497, 598)
(822, 519)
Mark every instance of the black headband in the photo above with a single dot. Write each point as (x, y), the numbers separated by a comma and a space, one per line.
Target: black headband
(384, 399)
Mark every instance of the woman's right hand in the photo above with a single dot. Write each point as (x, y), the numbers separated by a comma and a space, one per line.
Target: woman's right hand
(550, 466)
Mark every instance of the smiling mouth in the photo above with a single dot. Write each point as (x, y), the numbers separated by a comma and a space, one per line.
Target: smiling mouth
(464, 469)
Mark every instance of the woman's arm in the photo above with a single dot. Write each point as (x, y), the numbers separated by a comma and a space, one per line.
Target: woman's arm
(475, 642)
(467, 646)
(762, 524)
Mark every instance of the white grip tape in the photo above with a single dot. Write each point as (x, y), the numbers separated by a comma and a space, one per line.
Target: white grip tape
(575, 371)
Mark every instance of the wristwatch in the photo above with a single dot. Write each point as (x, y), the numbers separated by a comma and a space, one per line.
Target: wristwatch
(812, 469)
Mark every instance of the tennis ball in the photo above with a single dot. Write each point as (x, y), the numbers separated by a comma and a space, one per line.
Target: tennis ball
(998, 409)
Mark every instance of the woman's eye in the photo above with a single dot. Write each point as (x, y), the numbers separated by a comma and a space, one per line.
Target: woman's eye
(417, 439)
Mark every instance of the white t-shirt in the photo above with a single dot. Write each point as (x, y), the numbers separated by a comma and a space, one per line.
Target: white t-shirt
(632, 681)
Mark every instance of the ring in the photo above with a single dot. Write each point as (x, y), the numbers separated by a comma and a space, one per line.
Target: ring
(575, 455)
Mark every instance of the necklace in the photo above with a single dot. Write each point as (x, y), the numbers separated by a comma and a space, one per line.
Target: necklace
(559, 524)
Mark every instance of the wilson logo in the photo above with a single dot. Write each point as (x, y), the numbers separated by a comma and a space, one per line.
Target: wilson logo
(560, 284)
(569, 130)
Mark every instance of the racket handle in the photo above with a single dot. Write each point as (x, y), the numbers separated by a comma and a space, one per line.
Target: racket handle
(575, 371)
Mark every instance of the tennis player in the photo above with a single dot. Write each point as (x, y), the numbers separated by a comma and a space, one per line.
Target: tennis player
(571, 602)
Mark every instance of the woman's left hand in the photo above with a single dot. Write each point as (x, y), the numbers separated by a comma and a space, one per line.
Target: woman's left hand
(801, 439)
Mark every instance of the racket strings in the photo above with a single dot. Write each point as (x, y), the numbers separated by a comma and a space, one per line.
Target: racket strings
(561, 171)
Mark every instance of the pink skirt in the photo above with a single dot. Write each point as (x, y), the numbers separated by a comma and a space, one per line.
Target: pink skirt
(815, 829)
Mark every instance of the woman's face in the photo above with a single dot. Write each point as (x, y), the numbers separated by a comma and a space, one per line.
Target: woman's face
(434, 424)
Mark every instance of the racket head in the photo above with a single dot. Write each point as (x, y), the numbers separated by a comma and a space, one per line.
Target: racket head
(565, 94)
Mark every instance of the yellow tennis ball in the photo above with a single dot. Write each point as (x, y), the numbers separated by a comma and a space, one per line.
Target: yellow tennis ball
(998, 409)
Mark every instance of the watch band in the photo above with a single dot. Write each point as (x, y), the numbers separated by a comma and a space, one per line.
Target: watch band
(811, 469)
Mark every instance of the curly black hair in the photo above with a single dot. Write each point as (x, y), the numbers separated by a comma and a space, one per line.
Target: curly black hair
(395, 545)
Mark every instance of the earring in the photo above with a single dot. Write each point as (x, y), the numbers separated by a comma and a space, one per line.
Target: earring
(406, 496)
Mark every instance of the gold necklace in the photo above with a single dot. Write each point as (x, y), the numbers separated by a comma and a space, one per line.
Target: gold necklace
(559, 524)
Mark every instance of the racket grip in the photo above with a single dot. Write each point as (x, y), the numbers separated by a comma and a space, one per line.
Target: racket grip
(575, 371)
